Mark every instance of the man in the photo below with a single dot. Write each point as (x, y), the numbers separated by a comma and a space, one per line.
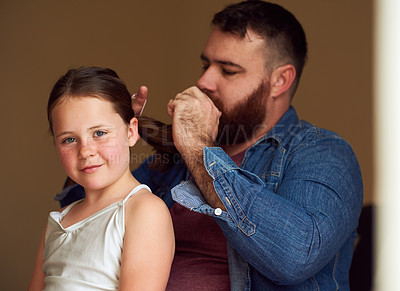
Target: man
(286, 195)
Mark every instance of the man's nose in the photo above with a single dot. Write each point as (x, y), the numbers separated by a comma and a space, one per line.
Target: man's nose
(208, 81)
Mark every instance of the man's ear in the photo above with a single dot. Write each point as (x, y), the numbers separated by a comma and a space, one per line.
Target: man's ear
(133, 134)
(282, 79)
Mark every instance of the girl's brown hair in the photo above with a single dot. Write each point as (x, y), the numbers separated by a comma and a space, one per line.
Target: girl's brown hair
(104, 83)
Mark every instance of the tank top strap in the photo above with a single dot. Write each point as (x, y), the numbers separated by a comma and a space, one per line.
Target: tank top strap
(134, 190)
(68, 208)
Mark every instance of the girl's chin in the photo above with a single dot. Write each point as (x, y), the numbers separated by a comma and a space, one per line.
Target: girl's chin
(91, 186)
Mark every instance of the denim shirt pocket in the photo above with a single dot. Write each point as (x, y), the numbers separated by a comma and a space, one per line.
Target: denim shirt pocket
(273, 175)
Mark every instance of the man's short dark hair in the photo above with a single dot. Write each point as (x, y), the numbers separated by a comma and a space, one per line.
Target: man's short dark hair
(285, 36)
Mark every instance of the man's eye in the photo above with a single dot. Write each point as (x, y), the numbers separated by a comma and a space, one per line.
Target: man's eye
(204, 67)
(68, 140)
(99, 133)
(229, 73)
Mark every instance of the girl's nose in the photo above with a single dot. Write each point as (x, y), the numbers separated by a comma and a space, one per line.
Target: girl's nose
(86, 150)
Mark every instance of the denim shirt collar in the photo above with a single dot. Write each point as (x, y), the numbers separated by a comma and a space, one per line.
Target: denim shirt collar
(279, 132)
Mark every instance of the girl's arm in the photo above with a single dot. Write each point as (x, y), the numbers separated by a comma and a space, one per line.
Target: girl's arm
(149, 244)
(37, 279)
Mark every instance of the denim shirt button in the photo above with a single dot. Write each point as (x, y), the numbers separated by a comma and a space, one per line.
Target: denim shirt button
(218, 211)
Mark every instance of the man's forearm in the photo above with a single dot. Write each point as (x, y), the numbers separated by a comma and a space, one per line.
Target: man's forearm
(195, 122)
(204, 181)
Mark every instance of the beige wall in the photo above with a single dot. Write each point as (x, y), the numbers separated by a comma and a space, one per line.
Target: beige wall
(156, 43)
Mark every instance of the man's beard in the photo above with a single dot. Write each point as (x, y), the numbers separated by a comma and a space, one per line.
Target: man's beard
(241, 123)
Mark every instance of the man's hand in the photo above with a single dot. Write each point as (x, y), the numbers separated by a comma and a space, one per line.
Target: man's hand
(194, 121)
(195, 125)
(139, 100)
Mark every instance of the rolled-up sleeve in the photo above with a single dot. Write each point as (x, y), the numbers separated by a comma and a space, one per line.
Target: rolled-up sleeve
(289, 233)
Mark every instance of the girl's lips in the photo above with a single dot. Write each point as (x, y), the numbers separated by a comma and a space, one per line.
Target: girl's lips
(90, 169)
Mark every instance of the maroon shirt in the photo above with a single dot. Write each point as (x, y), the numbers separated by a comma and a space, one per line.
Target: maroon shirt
(201, 261)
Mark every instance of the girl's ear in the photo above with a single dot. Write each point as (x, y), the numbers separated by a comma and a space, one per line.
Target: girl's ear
(133, 134)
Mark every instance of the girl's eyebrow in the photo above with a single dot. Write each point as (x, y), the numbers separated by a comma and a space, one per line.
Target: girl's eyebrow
(89, 129)
(63, 133)
(102, 126)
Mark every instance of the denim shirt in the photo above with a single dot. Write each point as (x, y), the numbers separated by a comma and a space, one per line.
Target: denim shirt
(292, 207)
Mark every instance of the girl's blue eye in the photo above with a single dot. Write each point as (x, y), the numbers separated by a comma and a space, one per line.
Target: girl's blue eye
(99, 133)
(68, 140)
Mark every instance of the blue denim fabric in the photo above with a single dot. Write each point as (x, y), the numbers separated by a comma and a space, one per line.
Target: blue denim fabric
(292, 206)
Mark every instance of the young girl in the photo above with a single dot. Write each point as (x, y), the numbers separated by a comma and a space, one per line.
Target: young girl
(120, 237)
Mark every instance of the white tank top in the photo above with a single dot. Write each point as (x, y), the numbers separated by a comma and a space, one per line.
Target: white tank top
(86, 255)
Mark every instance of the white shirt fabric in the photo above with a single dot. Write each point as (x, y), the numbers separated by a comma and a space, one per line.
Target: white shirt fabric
(86, 255)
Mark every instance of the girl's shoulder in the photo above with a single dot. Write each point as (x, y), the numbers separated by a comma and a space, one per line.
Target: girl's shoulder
(145, 204)
(147, 217)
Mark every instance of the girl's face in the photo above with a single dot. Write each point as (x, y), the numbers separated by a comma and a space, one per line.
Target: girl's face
(93, 141)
